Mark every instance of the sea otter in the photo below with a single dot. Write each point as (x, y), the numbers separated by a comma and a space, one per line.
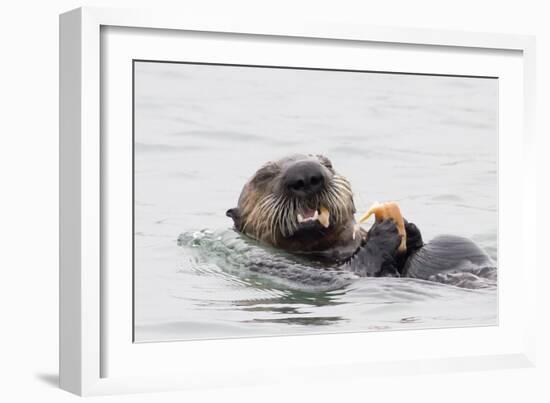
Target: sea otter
(300, 204)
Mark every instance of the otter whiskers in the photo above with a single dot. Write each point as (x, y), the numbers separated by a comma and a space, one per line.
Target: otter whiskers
(281, 214)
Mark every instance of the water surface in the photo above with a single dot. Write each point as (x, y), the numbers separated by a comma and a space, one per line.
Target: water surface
(429, 143)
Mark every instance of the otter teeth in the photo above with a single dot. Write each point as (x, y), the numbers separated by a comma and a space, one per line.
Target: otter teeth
(314, 217)
(324, 217)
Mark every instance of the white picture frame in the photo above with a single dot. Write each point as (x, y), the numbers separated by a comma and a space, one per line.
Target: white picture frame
(98, 358)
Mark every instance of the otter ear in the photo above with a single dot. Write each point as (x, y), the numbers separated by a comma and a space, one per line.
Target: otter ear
(234, 214)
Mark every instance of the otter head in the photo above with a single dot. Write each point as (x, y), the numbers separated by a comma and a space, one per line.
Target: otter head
(300, 204)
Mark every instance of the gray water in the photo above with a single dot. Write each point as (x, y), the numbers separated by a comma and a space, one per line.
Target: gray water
(428, 142)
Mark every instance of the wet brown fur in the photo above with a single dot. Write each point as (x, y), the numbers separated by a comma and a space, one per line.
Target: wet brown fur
(267, 213)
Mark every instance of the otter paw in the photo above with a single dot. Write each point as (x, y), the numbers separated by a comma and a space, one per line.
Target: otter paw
(388, 210)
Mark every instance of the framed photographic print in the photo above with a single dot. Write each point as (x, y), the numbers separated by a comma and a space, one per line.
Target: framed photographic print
(309, 198)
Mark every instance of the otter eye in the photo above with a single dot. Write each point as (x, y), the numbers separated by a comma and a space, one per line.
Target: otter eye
(267, 172)
(325, 161)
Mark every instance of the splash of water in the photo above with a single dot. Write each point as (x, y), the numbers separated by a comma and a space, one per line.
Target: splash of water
(241, 256)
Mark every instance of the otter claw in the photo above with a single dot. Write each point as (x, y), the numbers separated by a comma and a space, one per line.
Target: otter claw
(383, 211)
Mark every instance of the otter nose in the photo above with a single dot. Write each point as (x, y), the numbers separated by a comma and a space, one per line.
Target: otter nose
(304, 178)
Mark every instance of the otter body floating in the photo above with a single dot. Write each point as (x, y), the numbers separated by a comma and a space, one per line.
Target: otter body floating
(301, 205)
(451, 259)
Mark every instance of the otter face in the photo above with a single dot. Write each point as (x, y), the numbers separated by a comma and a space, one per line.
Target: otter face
(298, 203)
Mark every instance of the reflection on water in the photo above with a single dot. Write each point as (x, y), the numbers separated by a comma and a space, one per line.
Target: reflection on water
(201, 131)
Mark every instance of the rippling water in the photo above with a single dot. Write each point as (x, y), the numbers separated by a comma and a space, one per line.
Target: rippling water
(201, 131)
